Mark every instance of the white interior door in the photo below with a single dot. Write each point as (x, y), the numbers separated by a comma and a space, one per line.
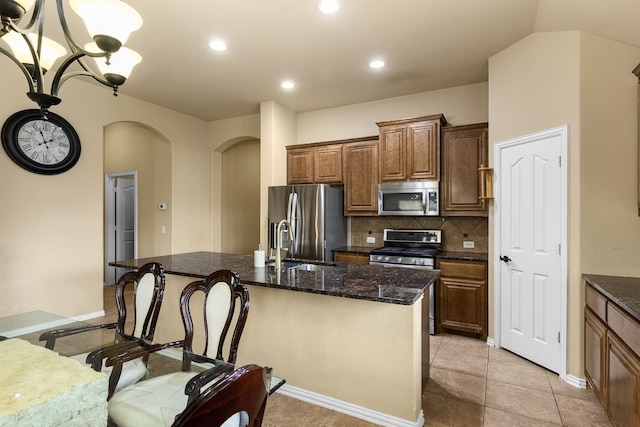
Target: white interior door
(530, 213)
(125, 218)
(120, 222)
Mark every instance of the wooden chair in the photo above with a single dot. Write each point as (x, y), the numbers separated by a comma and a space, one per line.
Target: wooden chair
(149, 283)
(237, 400)
(157, 401)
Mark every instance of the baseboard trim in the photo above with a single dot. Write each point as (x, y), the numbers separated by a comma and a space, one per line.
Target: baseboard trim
(93, 315)
(56, 321)
(576, 381)
(349, 408)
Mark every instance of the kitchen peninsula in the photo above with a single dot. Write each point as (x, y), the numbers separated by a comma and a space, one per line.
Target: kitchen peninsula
(350, 337)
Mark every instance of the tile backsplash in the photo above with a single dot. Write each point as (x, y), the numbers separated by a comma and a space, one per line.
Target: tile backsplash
(455, 230)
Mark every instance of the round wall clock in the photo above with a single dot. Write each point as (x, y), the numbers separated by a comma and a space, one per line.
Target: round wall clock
(45, 146)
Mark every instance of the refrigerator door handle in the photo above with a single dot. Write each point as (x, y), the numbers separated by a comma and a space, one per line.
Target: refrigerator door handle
(292, 215)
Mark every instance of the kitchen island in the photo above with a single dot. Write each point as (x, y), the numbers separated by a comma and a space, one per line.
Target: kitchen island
(353, 338)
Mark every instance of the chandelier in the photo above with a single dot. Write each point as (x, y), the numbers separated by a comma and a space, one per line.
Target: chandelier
(109, 22)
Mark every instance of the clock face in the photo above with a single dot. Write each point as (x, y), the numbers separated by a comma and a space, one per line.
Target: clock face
(43, 142)
(44, 145)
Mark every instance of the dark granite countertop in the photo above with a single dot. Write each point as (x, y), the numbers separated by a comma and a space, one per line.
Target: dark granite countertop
(402, 286)
(463, 256)
(366, 250)
(624, 291)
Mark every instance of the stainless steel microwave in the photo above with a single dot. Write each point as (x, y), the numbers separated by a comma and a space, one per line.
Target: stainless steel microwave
(417, 198)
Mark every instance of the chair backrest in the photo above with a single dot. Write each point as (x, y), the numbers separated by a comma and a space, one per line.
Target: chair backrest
(243, 393)
(148, 282)
(222, 291)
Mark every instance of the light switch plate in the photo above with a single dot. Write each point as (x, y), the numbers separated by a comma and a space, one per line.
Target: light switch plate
(468, 245)
(371, 239)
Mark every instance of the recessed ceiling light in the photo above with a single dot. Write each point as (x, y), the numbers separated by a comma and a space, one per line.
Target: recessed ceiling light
(218, 45)
(328, 6)
(287, 84)
(376, 63)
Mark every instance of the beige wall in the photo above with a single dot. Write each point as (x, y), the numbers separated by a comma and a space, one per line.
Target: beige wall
(460, 105)
(131, 147)
(585, 81)
(51, 227)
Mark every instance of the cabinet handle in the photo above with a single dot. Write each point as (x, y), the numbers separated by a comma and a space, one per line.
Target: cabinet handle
(505, 258)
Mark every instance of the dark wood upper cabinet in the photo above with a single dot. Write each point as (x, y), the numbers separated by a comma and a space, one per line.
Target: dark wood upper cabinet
(320, 164)
(409, 149)
(464, 150)
(361, 178)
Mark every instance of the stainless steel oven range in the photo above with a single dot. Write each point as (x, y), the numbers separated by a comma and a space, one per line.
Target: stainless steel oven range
(411, 249)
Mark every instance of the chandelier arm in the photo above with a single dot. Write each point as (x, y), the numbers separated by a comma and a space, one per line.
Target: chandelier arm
(75, 47)
(60, 77)
(24, 70)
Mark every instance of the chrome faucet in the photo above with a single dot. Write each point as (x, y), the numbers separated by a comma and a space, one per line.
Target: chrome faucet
(279, 241)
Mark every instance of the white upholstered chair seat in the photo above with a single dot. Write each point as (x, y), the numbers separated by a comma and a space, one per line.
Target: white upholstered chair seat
(156, 402)
(132, 371)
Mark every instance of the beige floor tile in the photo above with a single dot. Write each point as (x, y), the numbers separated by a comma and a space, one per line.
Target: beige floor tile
(523, 401)
(497, 418)
(440, 411)
(577, 412)
(523, 374)
(285, 411)
(434, 345)
(457, 385)
(458, 360)
(336, 419)
(562, 388)
(502, 355)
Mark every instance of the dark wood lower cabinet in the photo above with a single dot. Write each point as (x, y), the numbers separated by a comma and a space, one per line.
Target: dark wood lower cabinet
(461, 297)
(623, 383)
(595, 341)
(611, 358)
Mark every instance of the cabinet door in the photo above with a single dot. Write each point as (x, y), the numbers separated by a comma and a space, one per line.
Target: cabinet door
(393, 159)
(462, 305)
(423, 150)
(464, 150)
(461, 296)
(595, 334)
(299, 166)
(327, 164)
(623, 383)
(361, 178)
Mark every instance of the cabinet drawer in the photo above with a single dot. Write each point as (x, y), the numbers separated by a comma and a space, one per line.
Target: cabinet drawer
(596, 302)
(625, 327)
(462, 269)
(351, 258)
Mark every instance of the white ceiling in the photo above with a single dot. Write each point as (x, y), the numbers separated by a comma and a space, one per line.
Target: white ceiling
(426, 44)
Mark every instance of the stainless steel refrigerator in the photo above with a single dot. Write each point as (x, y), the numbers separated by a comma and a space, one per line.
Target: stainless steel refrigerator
(316, 215)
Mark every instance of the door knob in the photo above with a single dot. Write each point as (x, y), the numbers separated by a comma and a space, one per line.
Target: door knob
(505, 258)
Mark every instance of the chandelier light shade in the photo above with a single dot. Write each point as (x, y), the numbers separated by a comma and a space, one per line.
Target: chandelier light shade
(109, 23)
(50, 50)
(119, 66)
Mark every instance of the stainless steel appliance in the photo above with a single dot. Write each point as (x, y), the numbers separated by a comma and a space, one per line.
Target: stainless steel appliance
(315, 213)
(416, 198)
(411, 249)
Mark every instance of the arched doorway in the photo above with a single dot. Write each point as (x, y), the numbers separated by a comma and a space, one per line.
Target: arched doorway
(241, 197)
(134, 149)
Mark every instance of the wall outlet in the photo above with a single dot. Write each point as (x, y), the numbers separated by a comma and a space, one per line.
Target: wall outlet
(371, 239)
(163, 229)
(468, 245)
